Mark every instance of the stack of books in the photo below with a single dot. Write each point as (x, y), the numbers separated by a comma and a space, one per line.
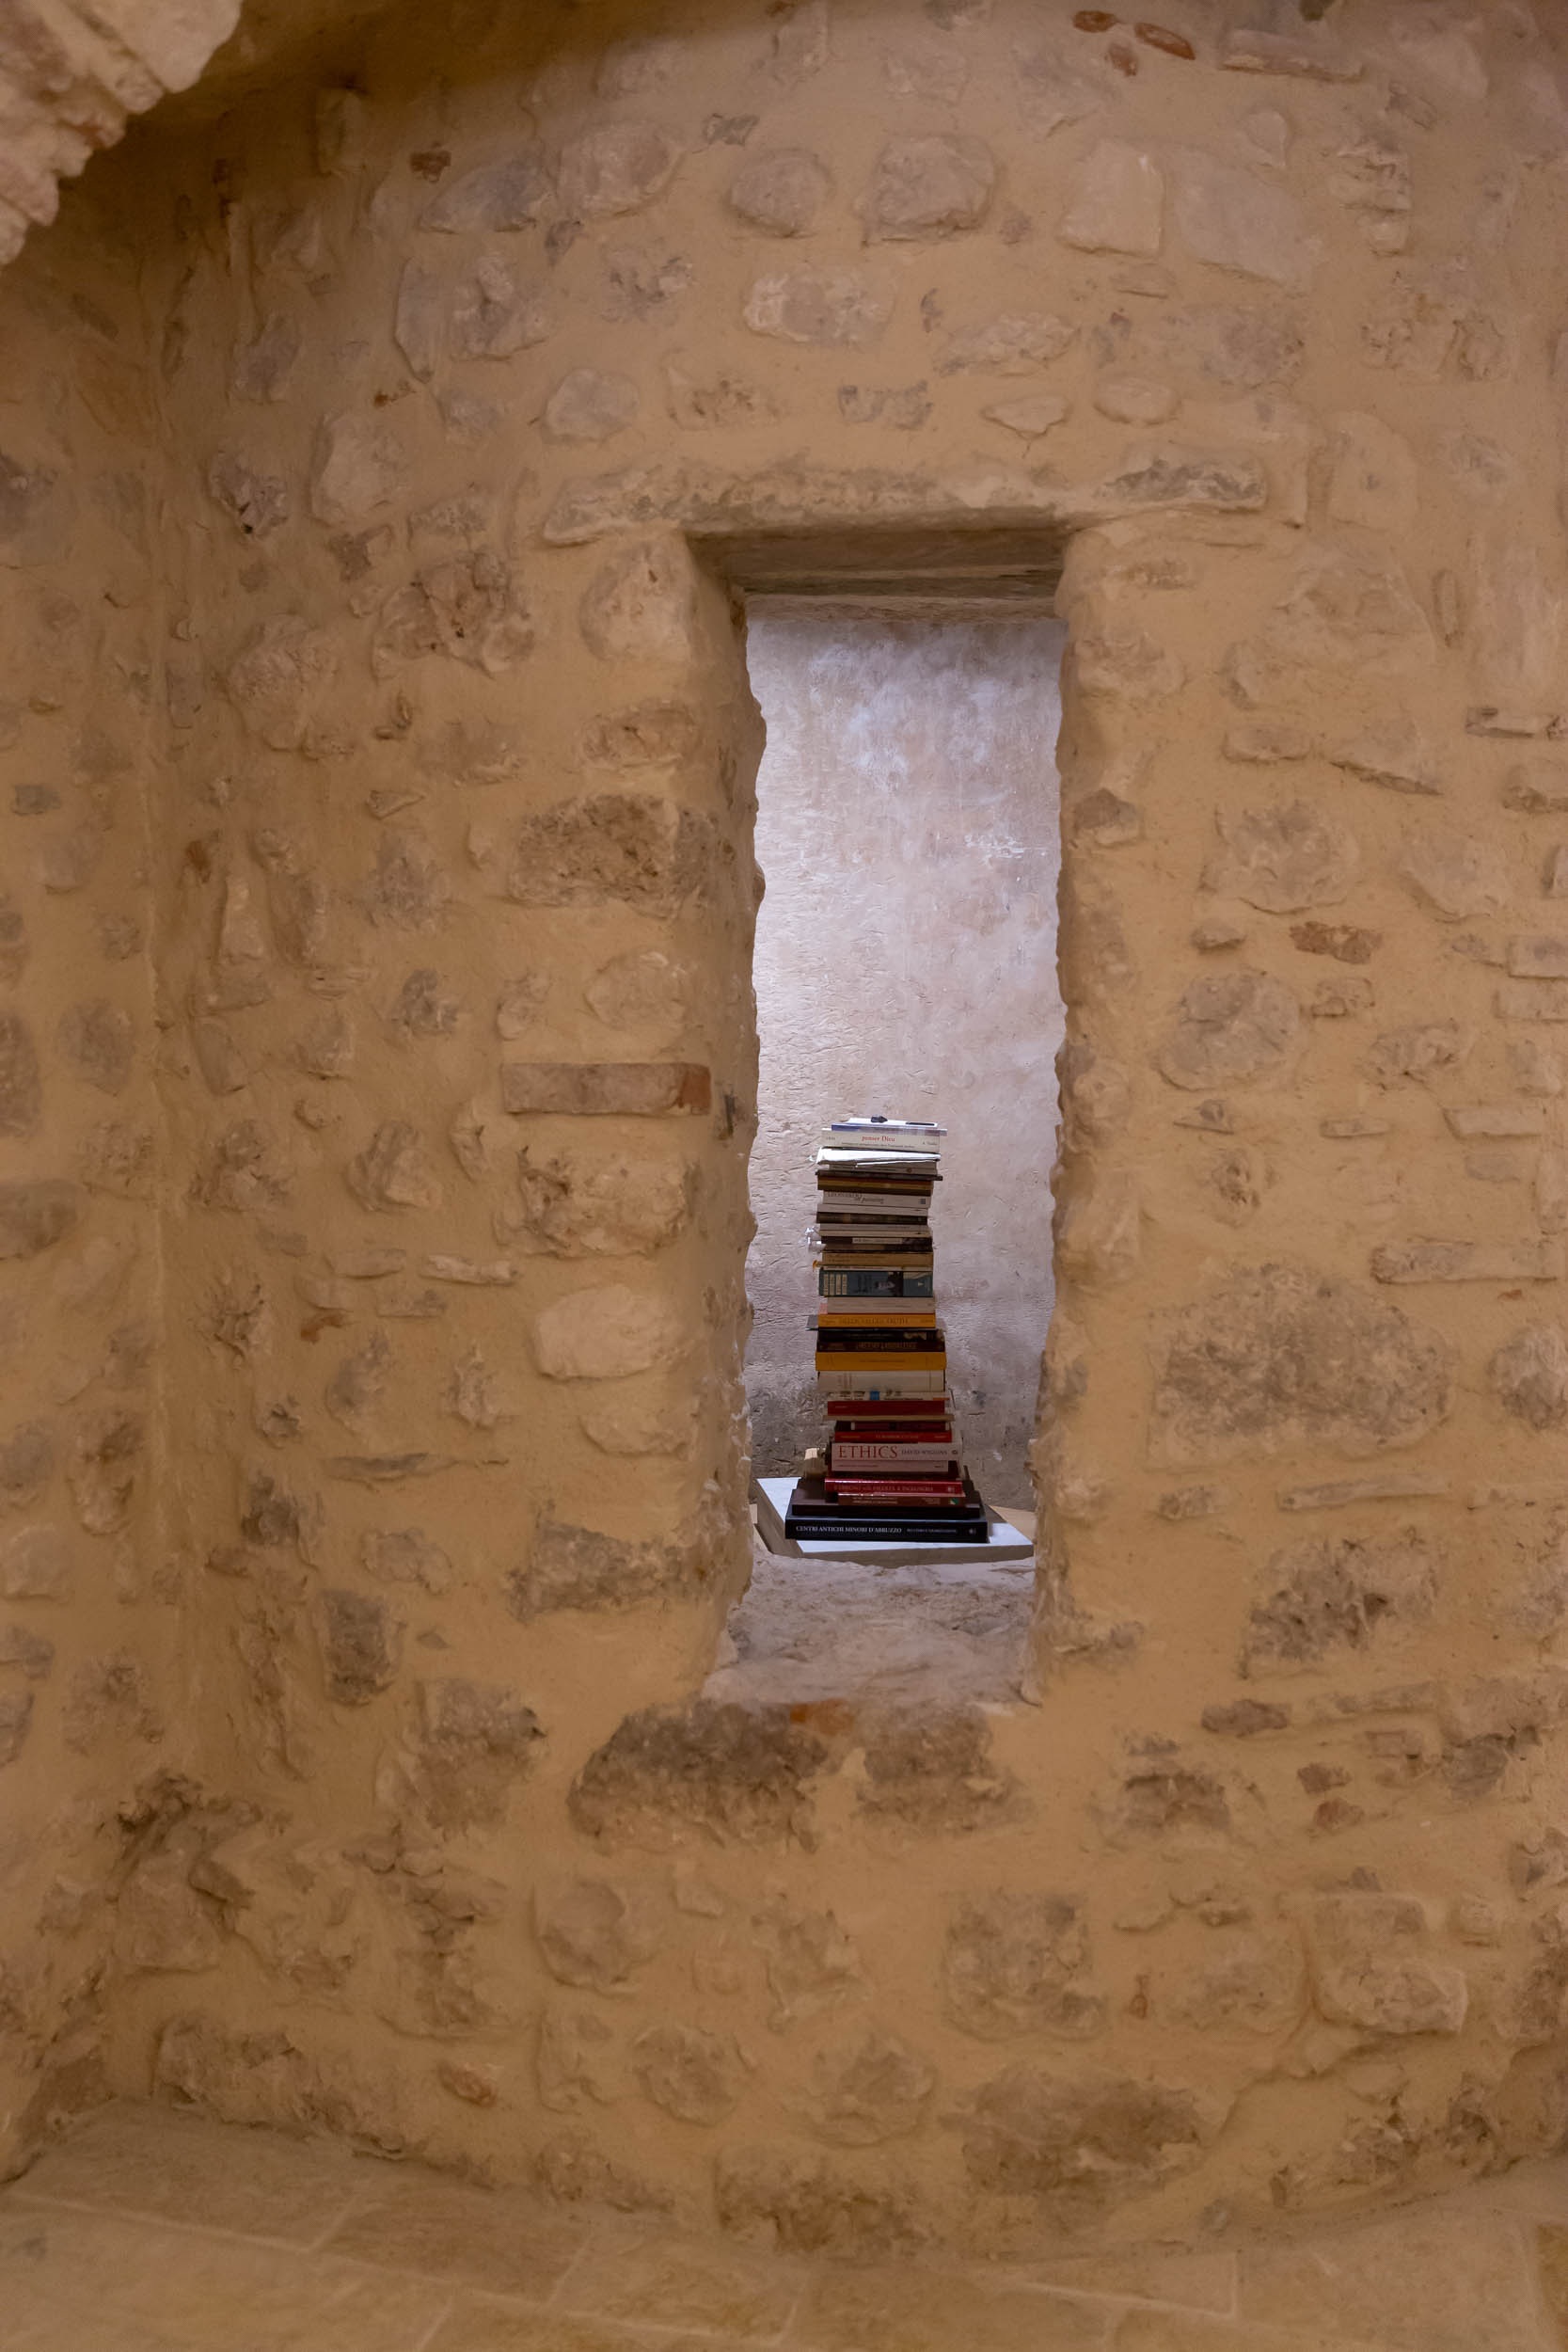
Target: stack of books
(890, 1471)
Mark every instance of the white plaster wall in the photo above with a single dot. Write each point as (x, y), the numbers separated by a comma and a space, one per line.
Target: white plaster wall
(906, 962)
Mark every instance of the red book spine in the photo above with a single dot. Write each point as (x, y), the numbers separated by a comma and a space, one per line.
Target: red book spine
(894, 1490)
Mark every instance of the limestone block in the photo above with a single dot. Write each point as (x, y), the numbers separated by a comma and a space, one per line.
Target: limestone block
(1117, 202)
(395, 1170)
(1427, 1050)
(1054, 88)
(1227, 215)
(1134, 399)
(1337, 1594)
(1013, 343)
(1232, 1029)
(640, 605)
(867, 2088)
(36, 1213)
(615, 168)
(595, 1933)
(257, 502)
(1539, 787)
(1098, 1233)
(928, 187)
(607, 1333)
(98, 1041)
(359, 466)
(1015, 1961)
(37, 512)
(1283, 858)
(781, 190)
(802, 2204)
(102, 1462)
(1365, 1974)
(819, 306)
(474, 1742)
(694, 2075)
(1528, 1376)
(932, 1769)
(636, 848)
(1080, 2144)
(35, 1565)
(799, 46)
(635, 1426)
(506, 194)
(1278, 1355)
(1453, 874)
(495, 313)
(472, 609)
(1542, 958)
(583, 1204)
(26, 1464)
(1532, 1000)
(639, 1089)
(406, 1555)
(590, 406)
(720, 402)
(1373, 479)
(1255, 1982)
(1119, 659)
(279, 677)
(904, 407)
(361, 1646)
(741, 1773)
(1030, 417)
(16, 1720)
(21, 1082)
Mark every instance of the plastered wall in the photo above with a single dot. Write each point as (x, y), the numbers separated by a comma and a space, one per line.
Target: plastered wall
(470, 384)
(905, 954)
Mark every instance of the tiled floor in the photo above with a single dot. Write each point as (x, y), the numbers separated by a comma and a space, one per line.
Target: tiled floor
(150, 2231)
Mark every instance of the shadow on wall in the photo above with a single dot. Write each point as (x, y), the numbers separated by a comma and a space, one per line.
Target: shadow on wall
(906, 960)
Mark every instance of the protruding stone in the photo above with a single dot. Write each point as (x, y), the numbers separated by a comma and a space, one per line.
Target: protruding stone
(1117, 202)
(359, 467)
(1282, 859)
(1278, 1355)
(640, 605)
(1338, 1594)
(36, 1213)
(694, 2075)
(1077, 2144)
(35, 1565)
(1015, 1963)
(819, 306)
(1233, 1029)
(593, 1933)
(740, 1774)
(607, 1334)
(1373, 482)
(590, 406)
(21, 1084)
(1455, 876)
(495, 312)
(1427, 1050)
(781, 190)
(361, 1646)
(1231, 218)
(395, 1170)
(868, 2088)
(279, 677)
(1528, 1376)
(635, 849)
(615, 168)
(1015, 343)
(98, 1041)
(578, 1205)
(1135, 398)
(257, 502)
(1031, 417)
(929, 187)
(504, 195)
(1365, 1973)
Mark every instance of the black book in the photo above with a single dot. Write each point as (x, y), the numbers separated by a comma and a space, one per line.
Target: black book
(876, 1338)
(812, 1517)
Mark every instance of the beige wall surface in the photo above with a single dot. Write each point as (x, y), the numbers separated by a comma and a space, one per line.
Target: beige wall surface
(376, 459)
(906, 962)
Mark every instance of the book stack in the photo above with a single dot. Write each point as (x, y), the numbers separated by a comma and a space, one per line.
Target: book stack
(892, 1470)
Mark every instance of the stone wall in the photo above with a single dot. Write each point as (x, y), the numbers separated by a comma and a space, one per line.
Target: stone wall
(471, 393)
(90, 1728)
(906, 956)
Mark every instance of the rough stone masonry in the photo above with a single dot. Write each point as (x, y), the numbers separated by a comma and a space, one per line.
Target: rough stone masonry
(379, 444)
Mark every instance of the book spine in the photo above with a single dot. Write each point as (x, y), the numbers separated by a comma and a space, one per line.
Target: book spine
(932, 1494)
(872, 1453)
(929, 1528)
(883, 1386)
(899, 1339)
(858, 1314)
(872, 1282)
